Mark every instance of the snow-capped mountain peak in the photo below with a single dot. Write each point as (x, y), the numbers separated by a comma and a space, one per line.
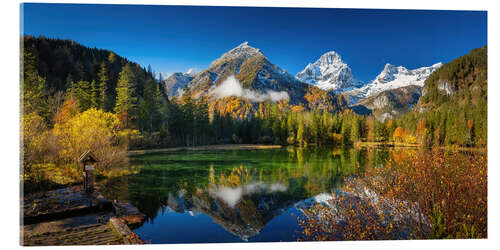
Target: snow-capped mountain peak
(330, 58)
(244, 71)
(392, 77)
(175, 83)
(390, 72)
(329, 72)
(192, 72)
(399, 75)
(243, 50)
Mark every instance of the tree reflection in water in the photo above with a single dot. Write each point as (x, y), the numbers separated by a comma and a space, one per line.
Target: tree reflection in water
(242, 191)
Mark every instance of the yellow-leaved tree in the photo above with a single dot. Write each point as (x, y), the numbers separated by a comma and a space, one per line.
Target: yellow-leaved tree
(93, 130)
(34, 134)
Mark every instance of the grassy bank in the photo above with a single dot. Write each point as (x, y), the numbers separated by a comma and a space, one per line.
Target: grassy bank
(206, 147)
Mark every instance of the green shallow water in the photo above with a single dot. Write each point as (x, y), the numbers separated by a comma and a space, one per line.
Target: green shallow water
(232, 196)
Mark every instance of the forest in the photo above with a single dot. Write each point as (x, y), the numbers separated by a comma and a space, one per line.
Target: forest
(68, 88)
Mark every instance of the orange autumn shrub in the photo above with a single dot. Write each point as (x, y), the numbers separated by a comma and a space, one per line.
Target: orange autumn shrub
(450, 188)
(435, 194)
(399, 134)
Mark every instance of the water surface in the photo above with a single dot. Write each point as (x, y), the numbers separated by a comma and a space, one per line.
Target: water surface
(233, 196)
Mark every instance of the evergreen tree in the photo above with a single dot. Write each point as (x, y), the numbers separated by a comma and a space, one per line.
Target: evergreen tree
(346, 129)
(326, 128)
(103, 86)
(150, 106)
(202, 122)
(301, 132)
(94, 95)
(276, 128)
(82, 93)
(126, 101)
(69, 85)
(34, 91)
(355, 129)
(284, 130)
(315, 128)
(188, 124)
(158, 106)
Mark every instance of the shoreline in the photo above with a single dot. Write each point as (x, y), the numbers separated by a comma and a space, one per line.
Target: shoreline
(360, 144)
(204, 147)
(415, 146)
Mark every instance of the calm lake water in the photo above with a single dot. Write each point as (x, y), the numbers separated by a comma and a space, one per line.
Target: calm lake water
(233, 196)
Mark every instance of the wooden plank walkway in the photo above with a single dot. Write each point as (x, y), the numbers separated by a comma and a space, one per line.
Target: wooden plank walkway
(95, 234)
(71, 217)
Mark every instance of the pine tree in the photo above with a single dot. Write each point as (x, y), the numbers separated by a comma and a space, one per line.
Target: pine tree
(34, 92)
(189, 121)
(276, 128)
(69, 86)
(301, 132)
(158, 105)
(316, 128)
(355, 129)
(82, 93)
(126, 101)
(94, 95)
(326, 127)
(284, 130)
(346, 129)
(150, 105)
(202, 122)
(291, 123)
(103, 83)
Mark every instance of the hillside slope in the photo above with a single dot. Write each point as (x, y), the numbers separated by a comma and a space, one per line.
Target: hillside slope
(453, 107)
(392, 103)
(61, 62)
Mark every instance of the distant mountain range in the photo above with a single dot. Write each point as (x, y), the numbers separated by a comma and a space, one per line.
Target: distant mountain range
(391, 103)
(245, 72)
(176, 82)
(242, 75)
(392, 77)
(257, 79)
(241, 79)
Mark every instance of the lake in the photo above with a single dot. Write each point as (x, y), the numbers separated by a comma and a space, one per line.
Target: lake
(233, 195)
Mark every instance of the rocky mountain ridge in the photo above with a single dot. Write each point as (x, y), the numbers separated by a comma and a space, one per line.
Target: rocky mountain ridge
(245, 72)
(329, 73)
(392, 77)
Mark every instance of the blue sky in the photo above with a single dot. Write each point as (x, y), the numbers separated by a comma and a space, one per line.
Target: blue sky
(176, 38)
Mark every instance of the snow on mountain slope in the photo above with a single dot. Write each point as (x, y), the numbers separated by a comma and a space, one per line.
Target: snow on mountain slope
(253, 71)
(192, 71)
(242, 51)
(176, 82)
(329, 73)
(392, 77)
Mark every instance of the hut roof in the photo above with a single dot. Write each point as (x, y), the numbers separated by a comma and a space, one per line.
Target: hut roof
(87, 157)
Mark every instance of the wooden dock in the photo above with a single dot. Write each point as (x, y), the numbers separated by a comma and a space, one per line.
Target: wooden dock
(71, 217)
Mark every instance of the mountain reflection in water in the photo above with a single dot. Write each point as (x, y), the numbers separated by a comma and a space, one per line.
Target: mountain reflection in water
(232, 196)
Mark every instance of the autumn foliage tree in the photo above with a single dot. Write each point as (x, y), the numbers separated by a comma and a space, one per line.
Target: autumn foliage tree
(421, 130)
(93, 130)
(399, 134)
(68, 110)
